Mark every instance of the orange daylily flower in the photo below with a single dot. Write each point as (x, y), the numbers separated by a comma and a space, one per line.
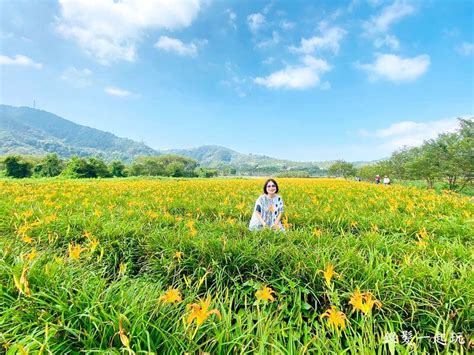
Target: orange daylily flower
(201, 311)
(265, 294)
(172, 295)
(329, 273)
(335, 318)
(75, 251)
(364, 302)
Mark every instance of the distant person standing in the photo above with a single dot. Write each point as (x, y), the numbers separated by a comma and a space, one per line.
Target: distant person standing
(386, 180)
(268, 208)
(377, 179)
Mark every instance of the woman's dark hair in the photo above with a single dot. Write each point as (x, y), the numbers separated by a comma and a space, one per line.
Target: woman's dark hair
(265, 186)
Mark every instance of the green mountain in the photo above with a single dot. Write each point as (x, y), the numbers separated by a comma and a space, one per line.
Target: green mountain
(247, 164)
(29, 131)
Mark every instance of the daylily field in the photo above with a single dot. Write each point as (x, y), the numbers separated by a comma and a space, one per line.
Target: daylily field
(168, 266)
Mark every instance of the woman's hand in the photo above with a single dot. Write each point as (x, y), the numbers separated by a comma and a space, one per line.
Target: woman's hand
(276, 227)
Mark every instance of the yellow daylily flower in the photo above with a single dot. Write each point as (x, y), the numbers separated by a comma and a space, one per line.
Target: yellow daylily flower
(178, 255)
(421, 243)
(123, 337)
(93, 244)
(329, 273)
(201, 311)
(27, 239)
(75, 251)
(172, 295)
(335, 318)
(364, 302)
(21, 283)
(265, 294)
(32, 254)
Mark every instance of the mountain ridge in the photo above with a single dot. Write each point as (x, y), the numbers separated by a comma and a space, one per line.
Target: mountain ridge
(30, 131)
(26, 130)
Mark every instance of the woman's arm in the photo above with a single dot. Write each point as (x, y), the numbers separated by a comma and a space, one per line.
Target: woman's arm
(277, 221)
(258, 212)
(260, 218)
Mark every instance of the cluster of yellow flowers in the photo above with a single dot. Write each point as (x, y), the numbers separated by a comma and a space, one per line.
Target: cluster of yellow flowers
(363, 302)
(198, 311)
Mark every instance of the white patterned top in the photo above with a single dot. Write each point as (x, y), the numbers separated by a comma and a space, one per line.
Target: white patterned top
(269, 208)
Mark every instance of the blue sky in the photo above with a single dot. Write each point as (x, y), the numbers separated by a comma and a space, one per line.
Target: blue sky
(300, 80)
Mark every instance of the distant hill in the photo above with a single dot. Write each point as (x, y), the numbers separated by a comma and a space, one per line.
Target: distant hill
(222, 158)
(29, 131)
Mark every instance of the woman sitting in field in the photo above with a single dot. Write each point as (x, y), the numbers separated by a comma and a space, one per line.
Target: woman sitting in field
(268, 208)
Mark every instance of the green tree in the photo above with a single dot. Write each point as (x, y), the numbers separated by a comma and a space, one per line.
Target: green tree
(368, 172)
(205, 172)
(86, 168)
(175, 169)
(147, 166)
(176, 165)
(397, 164)
(466, 152)
(98, 168)
(50, 166)
(16, 167)
(342, 168)
(423, 164)
(77, 168)
(117, 169)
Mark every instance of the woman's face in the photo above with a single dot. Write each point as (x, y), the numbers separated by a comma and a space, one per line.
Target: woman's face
(271, 187)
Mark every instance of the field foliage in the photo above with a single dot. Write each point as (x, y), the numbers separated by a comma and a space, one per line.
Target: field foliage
(168, 266)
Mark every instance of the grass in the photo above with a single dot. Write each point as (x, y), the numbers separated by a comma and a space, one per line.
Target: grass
(411, 249)
(437, 186)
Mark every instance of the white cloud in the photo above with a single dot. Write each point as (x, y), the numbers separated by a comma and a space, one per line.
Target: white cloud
(114, 91)
(19, 60)
(79, 78)
(268, 60)
(329, 39)
(302, 76)
(110, 30)
(266, 10)
(169, 44)
(452, 32)
(395, 68)
(389, 41)
(234, 81)
(287, 25)
(410, 133)
(466, 48)
(270, 42)
(232, 18)
(388, 16)
(255, 21)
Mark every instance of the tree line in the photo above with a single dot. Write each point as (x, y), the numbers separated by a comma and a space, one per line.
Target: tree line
(51, 165)
(448, 158)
